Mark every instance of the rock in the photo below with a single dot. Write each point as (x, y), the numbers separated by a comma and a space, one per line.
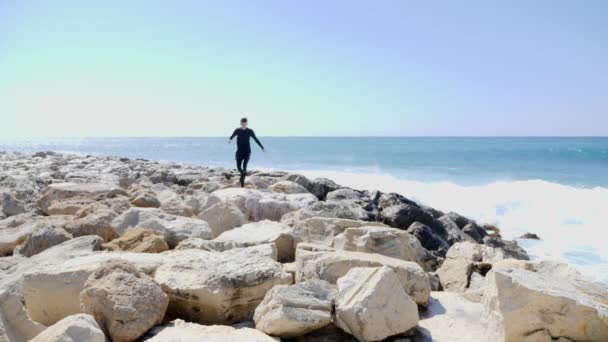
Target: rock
(510, 249)
(123, 300)
(222, 217)
(385, 200)
(10, 237)
(51, 292)
(145, 200)
(403, 215)
(461, 261)
(451, 318)
(99, 222)
(475, 231)
(42, 239)
(519, 303)
(263, 232)
(322, 230)
(372, 305)
(391, 242)
(343, 210)
(69, 206)
(288, 187)
(62, 191)
(289, 311)
(449, 231)
(180, 331)
(344, 194)
(329, 333)
(320, 187)
(210, 287)
(75, 328)
(428, 238)
(139, 240)
(15, 324)
(531, 236)
(173, 228)
(268, 249)
(299, 179)
(319, 262)
(9, 205)
(460, 220)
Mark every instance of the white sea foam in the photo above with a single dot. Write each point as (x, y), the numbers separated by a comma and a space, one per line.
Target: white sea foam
(572, 222)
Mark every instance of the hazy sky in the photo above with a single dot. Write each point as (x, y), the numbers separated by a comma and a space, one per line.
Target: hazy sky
(193, 68)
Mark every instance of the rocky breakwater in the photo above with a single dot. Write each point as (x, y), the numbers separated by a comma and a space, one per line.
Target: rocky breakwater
(104, 248)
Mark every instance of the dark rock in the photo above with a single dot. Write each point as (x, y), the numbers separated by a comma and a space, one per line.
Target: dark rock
(403, 215)
(531, 236)
(449, 230)
(320, 187)
(345, 194)
(460, 220)
(510, 248)
(428, 238)
(385, 200)
(475, 231)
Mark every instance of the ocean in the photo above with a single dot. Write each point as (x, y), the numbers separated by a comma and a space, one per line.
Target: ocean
(554, 187)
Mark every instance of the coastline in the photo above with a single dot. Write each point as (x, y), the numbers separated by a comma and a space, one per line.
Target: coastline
(67, 215)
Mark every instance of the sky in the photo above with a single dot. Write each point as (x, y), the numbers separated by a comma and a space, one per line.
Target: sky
(72, 68)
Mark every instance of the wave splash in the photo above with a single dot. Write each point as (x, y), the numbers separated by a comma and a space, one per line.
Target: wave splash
(572, 222)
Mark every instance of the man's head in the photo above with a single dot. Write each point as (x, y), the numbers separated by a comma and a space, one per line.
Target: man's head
(244, 123)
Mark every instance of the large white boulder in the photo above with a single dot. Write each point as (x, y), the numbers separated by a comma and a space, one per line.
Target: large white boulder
(319, 262)
(262, 232)
(123, 300)
(294, 310)
(51, 293)
(180, 331)
(387, 241)
(288, 187)
(211, 287)
(322, 230)
(461, 261)
(61, 191)
(223, 216)
(267, 249)
(174, 228)
(372, 305)
(75, 328)
(520, 302)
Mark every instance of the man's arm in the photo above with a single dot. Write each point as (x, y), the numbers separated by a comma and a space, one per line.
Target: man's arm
(233, 135)
(256, 139)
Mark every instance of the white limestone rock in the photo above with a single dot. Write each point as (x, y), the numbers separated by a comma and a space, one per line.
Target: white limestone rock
(75, 328)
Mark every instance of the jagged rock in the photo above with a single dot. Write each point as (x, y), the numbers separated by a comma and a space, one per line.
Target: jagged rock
(475, 231)
(51, 292)
(334, 210)
(9, 205)
(69, 206)
(428, 239)
(521, 302)
(288, 187)
(62, 191)
(319, 262)
(320, 187)
(210, 287)
(268, 249)
(139, 240)
(345, 194)
(403, 215)
(222, 217)
(322, 230)
(449, 230)
(531, 236)
(173, 228)
(145, 200)
(180, 331)
(372, 305)
(15, 324)
(123, 300)
(75, 328)
(451, 318)
(42, 239)
(262, 232)
(297, 178)
(289, 311)
(509, 248)
(96, 223)
(391, 242)
(461, 261)
(15, 230)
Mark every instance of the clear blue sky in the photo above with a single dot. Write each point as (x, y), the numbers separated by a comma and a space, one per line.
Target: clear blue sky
(193, 68)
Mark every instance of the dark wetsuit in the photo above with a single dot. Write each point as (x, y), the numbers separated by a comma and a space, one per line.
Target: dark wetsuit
(243, 151)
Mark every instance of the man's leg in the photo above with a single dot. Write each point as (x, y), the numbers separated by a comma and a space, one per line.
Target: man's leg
(244, 170)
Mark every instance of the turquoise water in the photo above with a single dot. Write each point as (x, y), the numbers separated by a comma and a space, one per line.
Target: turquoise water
(581, 162)
(554, 187)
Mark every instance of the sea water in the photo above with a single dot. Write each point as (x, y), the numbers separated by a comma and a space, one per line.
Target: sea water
(554, 187)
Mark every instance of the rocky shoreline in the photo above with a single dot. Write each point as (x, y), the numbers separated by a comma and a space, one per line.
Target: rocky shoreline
(107, 248)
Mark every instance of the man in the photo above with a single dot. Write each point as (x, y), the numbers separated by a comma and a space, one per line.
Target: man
(243, 151)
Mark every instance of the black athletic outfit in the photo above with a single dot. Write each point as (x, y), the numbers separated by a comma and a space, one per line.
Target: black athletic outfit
(243, 151)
